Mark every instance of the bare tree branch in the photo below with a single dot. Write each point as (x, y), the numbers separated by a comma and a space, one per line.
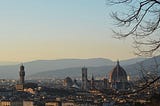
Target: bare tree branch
(140, 23)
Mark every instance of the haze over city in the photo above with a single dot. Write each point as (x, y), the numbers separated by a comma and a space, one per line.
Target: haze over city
(57, 29)
(79, 53)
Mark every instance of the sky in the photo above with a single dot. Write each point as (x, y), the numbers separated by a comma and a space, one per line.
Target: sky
(57, 29)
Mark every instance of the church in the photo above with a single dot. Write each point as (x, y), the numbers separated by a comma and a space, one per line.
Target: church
(118, 78)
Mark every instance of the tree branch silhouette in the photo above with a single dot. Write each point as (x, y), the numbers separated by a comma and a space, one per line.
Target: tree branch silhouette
(141, 22)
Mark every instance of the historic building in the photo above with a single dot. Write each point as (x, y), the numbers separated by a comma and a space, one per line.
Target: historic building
(22, 74)
(21, 82)
(98, 84)
(68, 82)
(118, 78)
(92, 84)
(84, 79)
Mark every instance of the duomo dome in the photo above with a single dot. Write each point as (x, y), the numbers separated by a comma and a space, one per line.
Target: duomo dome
(118, 74)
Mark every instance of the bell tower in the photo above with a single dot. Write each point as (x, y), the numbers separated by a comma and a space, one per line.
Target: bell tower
(84, 78)
(21, 82)
(21, 74)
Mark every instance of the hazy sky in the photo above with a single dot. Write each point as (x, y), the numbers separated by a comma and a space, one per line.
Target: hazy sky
(53, 29)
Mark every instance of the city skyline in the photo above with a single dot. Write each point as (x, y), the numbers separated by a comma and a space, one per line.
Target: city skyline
(42, 30)
(79, 53)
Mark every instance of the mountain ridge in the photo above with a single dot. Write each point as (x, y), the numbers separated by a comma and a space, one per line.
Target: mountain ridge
(99, 72)
(33, 67)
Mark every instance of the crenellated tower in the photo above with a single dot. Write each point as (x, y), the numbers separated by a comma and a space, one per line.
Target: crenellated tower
(22, 75)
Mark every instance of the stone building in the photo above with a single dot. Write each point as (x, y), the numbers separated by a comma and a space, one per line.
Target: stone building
(118, 78)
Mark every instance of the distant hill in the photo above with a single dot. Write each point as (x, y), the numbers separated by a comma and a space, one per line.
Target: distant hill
(149, 65)
(132, 69)
(100, 71)
(72, 72)
(131, 61)
(33, 67)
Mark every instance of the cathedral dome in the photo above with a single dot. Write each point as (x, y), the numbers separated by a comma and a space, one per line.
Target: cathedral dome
(68, 82)
(118, 74)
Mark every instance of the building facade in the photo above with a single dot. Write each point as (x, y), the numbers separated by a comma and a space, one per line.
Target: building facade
(84, 79)
(118, 78)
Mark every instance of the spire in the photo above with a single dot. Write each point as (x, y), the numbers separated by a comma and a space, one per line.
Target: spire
(84, 68)
(117, 70)
(92, 77)
(92, 82)
(118, 62)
